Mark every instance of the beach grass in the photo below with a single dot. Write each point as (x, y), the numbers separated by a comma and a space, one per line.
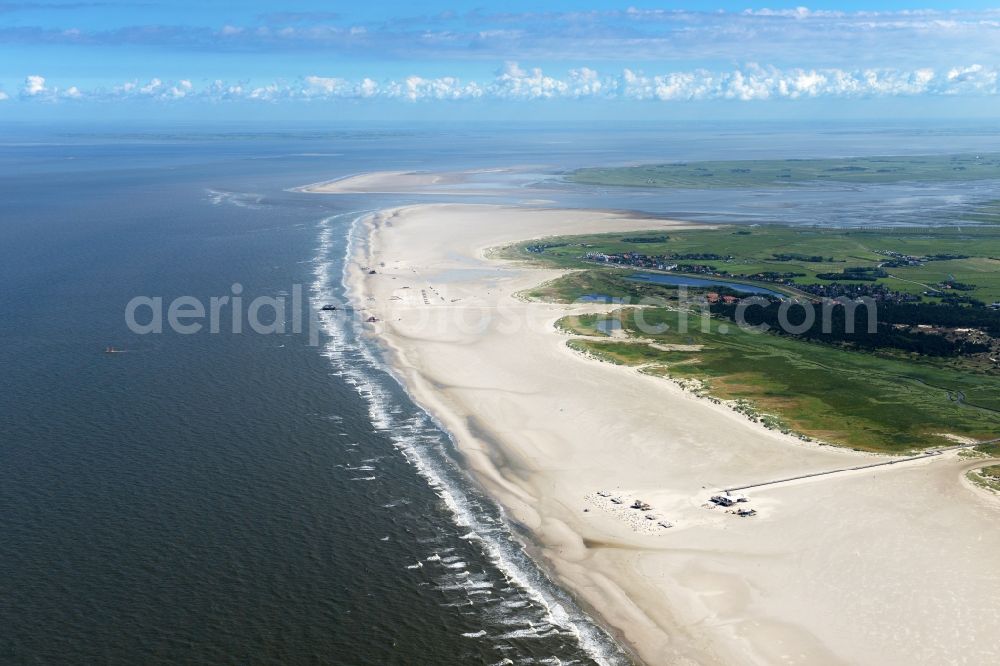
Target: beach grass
(986, 477)
(599, 285)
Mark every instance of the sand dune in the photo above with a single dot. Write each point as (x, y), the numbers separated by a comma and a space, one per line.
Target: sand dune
(895, 565)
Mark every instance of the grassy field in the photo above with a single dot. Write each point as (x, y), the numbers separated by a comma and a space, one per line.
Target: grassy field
(754, 249)
(776, 173)
(853, 399)
(990, 449)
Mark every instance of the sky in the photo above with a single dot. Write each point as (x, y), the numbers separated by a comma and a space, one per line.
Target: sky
(285, 61)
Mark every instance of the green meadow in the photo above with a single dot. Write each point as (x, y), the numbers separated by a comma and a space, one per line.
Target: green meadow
(992, 449)
(756, 249)
(777, 173)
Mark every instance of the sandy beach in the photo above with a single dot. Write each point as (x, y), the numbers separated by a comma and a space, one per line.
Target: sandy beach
(408, 182)
(383, 182)
(893, 565)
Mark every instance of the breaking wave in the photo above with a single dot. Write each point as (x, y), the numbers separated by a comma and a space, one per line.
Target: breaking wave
(515, 601)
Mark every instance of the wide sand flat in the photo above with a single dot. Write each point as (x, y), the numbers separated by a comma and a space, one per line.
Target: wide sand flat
(897, 565)
(403, 182)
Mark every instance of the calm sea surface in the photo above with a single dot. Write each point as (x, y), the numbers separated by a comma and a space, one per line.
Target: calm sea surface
(247, 498)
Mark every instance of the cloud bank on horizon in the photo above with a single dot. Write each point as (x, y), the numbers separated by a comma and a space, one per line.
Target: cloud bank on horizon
(513, 83)
(627, 54)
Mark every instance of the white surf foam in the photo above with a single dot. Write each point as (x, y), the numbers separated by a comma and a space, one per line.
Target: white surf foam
(416, 437)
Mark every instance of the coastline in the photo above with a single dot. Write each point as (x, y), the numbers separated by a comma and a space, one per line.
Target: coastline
(502, 390)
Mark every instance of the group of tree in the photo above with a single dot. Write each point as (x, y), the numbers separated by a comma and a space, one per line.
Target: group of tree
(834, 327)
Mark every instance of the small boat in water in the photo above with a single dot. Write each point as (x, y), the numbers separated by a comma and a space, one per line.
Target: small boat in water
(113, 350)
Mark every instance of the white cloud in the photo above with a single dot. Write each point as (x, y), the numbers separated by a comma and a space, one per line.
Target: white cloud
(367, 88)
(796, 13)
(586, 82)
(513, 82)
(323, 86)
(971, 79)
(34, 86)
(152, 88)
(155, 89)
(268, 93)
(182, 89)
(415, 88)
(219, 91)
(4, 96)
(754, 82)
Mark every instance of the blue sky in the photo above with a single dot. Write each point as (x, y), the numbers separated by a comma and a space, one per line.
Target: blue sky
(307, 59)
